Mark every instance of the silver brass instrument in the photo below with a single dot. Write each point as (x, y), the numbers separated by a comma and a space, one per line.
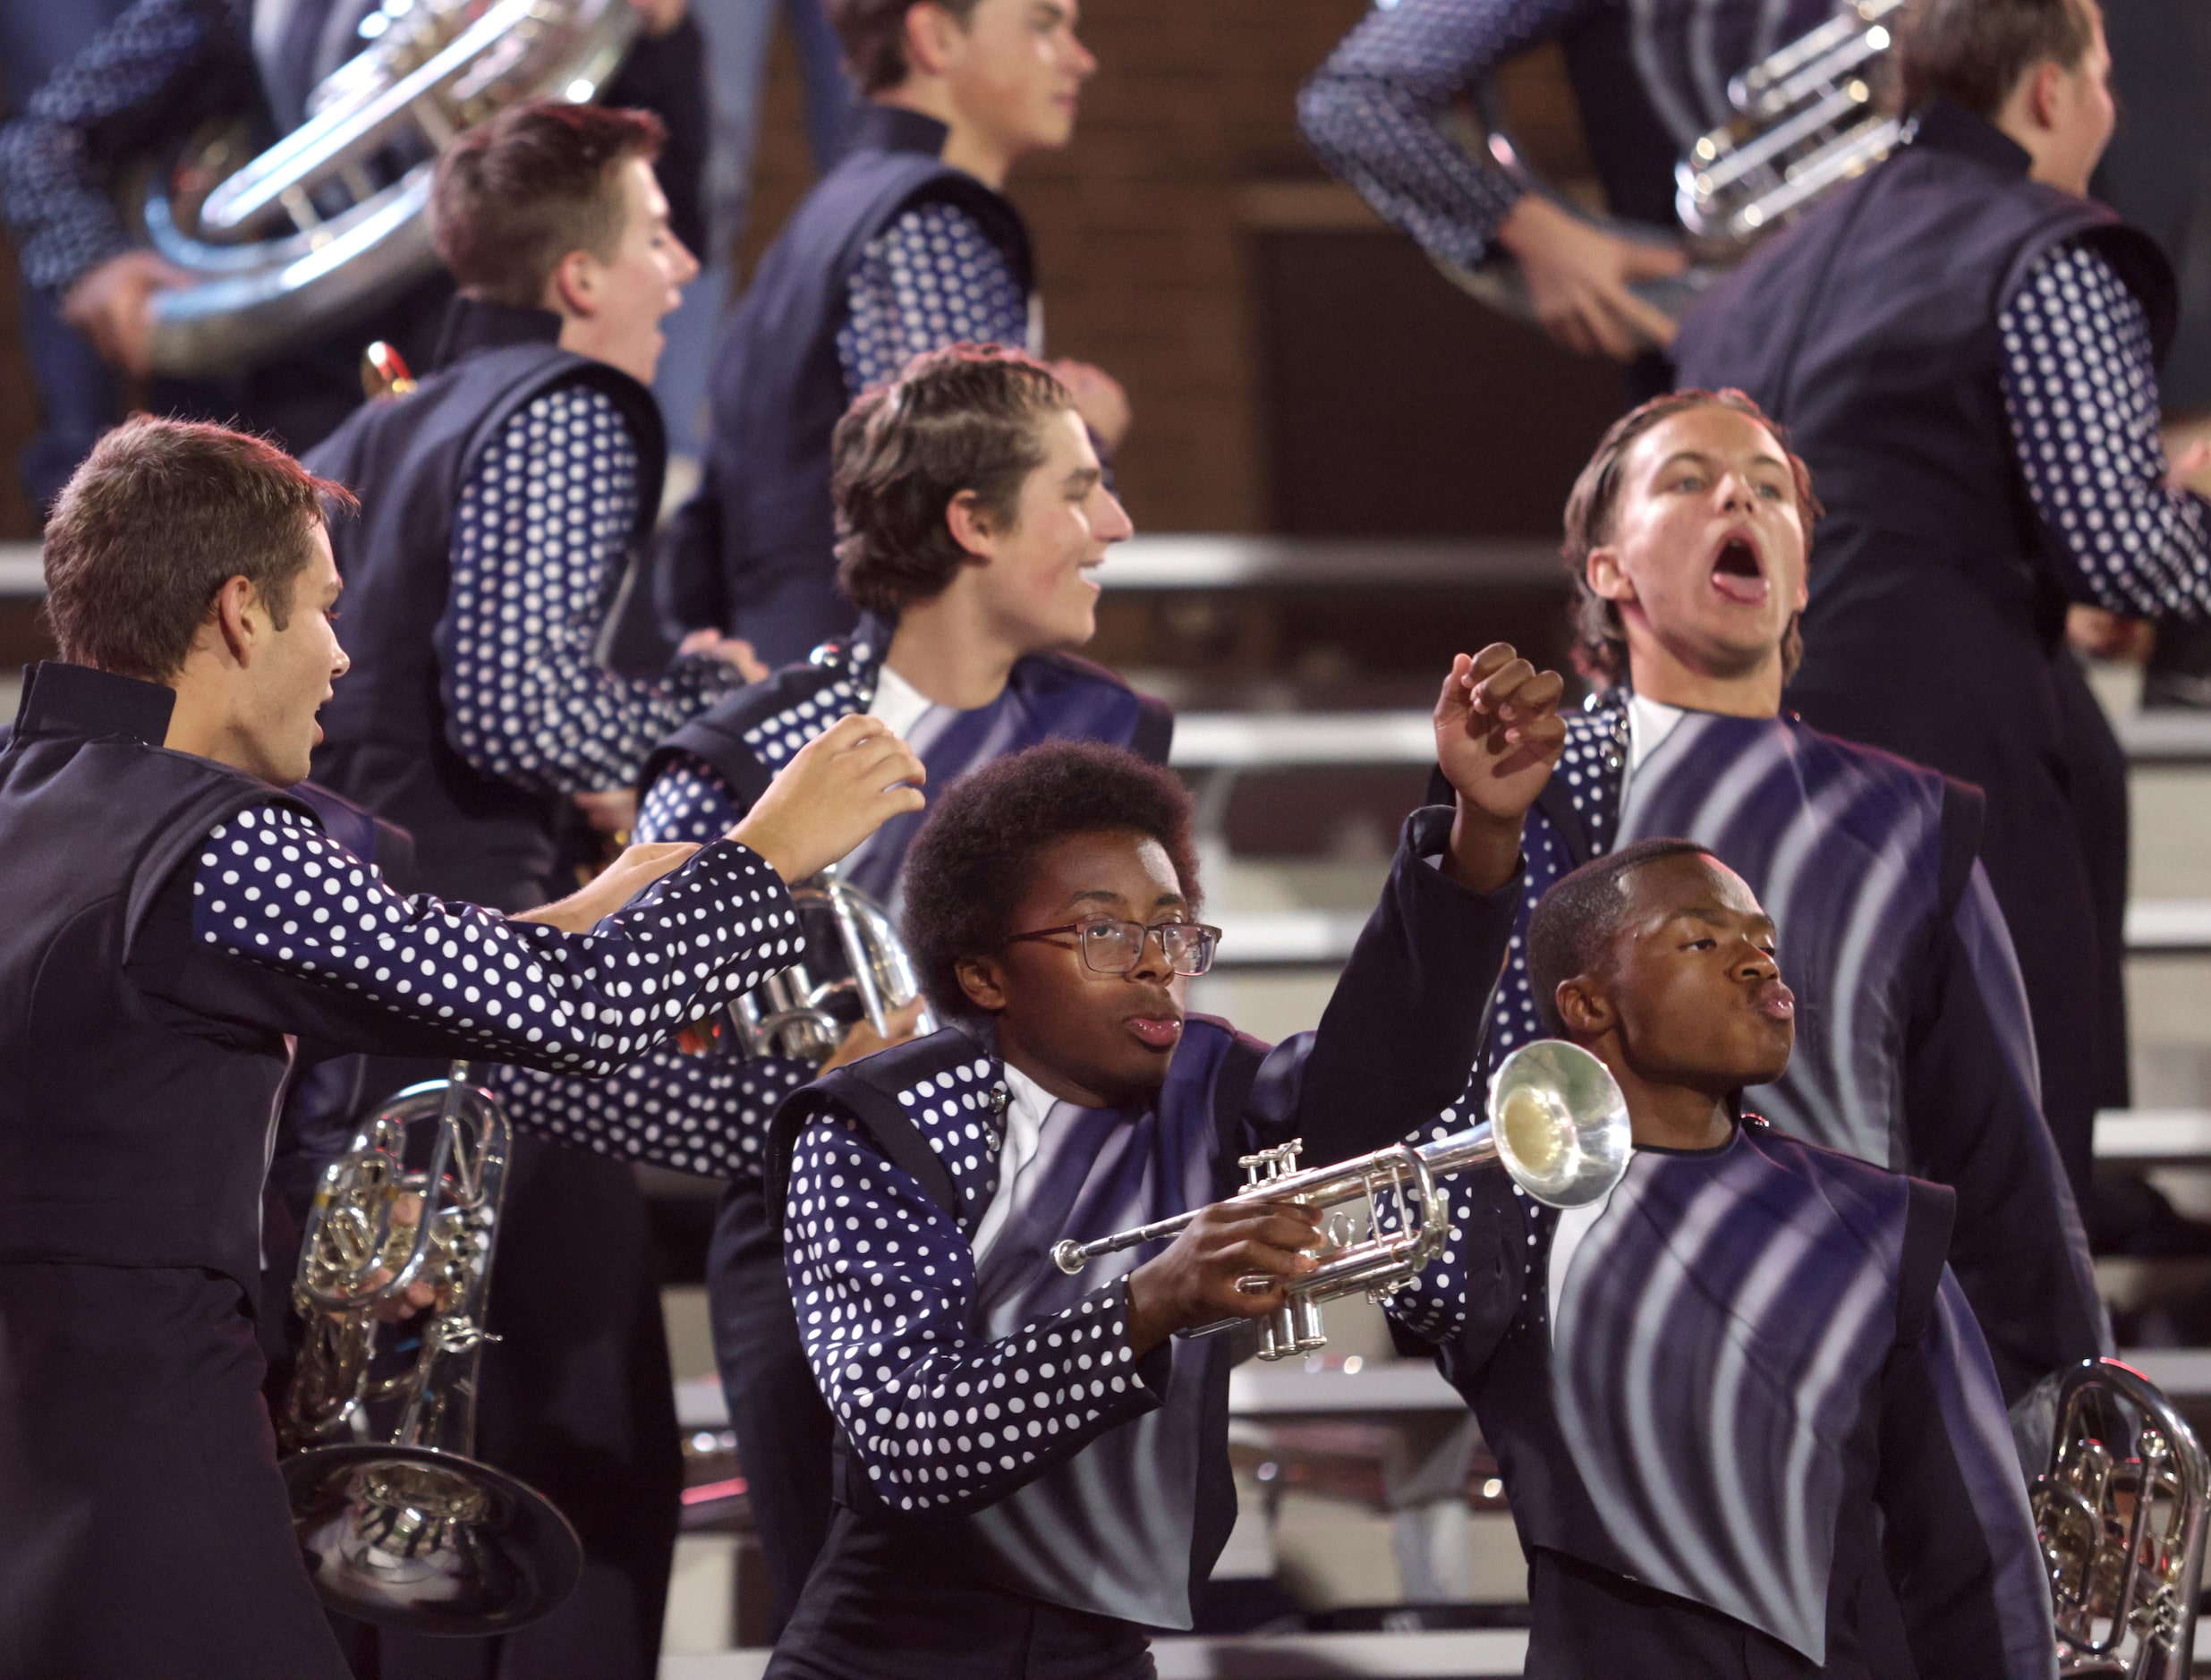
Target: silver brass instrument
(1557, 1123)
(803, 1014)
(399, 1523)
(331, 220)
(2120, 1516)
(1808, 117)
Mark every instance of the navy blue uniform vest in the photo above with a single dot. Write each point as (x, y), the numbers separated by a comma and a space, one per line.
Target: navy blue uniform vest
(752, 551)
(124, 1140)
(385, 732)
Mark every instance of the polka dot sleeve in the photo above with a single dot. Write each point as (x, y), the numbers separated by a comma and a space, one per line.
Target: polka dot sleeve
(2081, 387)
(539, 543)
(272, 889)
(696, 1114)
(882, 1281)
(1371, 114)
(686, 801)
(56, 159)
(932, 278)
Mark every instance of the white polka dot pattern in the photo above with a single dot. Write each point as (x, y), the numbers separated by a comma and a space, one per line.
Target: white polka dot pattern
(686, 801)
(271, 888)
(55, 160)
(931, 278)
(1371, 114)
(779, 735)
(695, 1114)
(883, 1279)
(539, 542)
(2081, 388)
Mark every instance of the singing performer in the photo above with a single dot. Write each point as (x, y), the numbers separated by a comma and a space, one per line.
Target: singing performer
(175, 924)
(1032, 1470)
(974, 512)
(907, 245)
(1687, 540)
(1964, 347)
(1744, 1415)
(503, 500)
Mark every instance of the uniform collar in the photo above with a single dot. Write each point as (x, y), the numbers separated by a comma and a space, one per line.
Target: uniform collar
(473, 325)
(1946, 126)
(892, 128)
(75, 699)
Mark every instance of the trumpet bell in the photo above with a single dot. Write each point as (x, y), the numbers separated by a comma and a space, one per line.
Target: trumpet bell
(1560, 1123)
(430, 1541)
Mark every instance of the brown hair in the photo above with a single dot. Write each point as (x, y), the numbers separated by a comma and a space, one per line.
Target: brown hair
(873, 32)
(960, 418)
(1600, 644)
(1975, 51)
(516, 194)
(161, 515)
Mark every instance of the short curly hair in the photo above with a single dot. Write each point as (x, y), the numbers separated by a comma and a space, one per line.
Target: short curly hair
(967, 417)
(1600, 643)
(1574, 926)
(969, 866)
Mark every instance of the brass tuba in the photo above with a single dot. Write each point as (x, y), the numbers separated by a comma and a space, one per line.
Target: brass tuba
(2120, 1513)
(399, 1524)
(332, 220)
(1557, 1123)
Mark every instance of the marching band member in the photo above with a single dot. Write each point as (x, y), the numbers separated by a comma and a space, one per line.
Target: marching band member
(974, 510)
(907, 245)
(1686, 537)
(175, 924)
(1963, 346)
(1743, 1414)
(1032, 1470)
(503, 498)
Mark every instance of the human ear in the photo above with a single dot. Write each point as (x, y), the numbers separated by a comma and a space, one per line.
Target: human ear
(1608, 579)
(238, 616)
(931, 33)
(573, 286)
(984, 981)
(2046, 93)
(1584, 1009)
(969, 523)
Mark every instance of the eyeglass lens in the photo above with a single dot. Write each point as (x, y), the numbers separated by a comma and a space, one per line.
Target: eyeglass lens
(1115, 947)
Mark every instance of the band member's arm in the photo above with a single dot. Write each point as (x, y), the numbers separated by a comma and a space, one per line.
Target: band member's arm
(941, 1419)
(2080, 387)
(141, 76)
(285, 930)
(1974, 1113)
(687, 801)
(707, 1115)
(538, 540)
(1371, 114)
(931, 278)
(1461, 1305)
(1959, 1541)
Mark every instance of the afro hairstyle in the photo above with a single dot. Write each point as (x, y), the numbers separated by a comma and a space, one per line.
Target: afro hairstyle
(1574, 928)
(969, 867)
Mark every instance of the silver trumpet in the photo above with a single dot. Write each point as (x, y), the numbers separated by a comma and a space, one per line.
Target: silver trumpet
(803, 1014)
(2120, 1513)
(399, 1523)
(332, 220)
(1557, 1123)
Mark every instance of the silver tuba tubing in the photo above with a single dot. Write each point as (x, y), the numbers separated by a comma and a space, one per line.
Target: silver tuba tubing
(1556, 1123)
(399, 1523)
(803, 1013)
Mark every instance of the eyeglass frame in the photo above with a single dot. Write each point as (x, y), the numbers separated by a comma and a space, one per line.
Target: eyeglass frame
(1150, 929)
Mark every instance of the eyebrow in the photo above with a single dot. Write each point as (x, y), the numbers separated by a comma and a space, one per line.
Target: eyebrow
(1720, 918)
(1086, 476)
(1049, 12)
(1099, 896)
(1704, 460)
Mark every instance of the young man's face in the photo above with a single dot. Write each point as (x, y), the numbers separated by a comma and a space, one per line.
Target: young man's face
(1017, 71)
(1035, 586)
(1098, 1040)
(1695, 995)
(293, 671)
(1705, 558)
(641, 281)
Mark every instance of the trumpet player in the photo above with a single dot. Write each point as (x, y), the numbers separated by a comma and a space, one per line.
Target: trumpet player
(1034, 1468)
(973, 514)
(175, 925)
(1744, 1415)
(1688, 544)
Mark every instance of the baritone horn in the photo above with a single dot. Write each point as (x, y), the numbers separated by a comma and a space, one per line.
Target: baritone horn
(399, 1523)
(331, 221)
(2120, 1514)
(1556, 1123)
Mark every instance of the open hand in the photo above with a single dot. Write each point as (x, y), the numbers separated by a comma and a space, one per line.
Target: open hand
(1498, 736)
(112, 306)
(633, 869)
(1580, 279)
(838, 789)
(1099, 400)
(1198, 1280)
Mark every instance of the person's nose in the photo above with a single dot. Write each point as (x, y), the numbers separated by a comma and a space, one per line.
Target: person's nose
(1756, 963)
(340, 664)
(1151, 961)
(1081, 60)
(686, 264)
(1112, 523)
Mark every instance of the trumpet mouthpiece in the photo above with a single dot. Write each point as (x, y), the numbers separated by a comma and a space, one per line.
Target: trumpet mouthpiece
(1067, 1255)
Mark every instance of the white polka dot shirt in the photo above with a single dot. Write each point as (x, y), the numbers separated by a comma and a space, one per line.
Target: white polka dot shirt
(931, 278)
(539, 540)
(271, 888)
(2081, 388)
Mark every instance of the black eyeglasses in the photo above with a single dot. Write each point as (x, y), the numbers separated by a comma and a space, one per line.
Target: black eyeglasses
(1112, 946)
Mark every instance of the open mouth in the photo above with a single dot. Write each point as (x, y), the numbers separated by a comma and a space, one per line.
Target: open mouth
(1737, 574)
(1157, 1032)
